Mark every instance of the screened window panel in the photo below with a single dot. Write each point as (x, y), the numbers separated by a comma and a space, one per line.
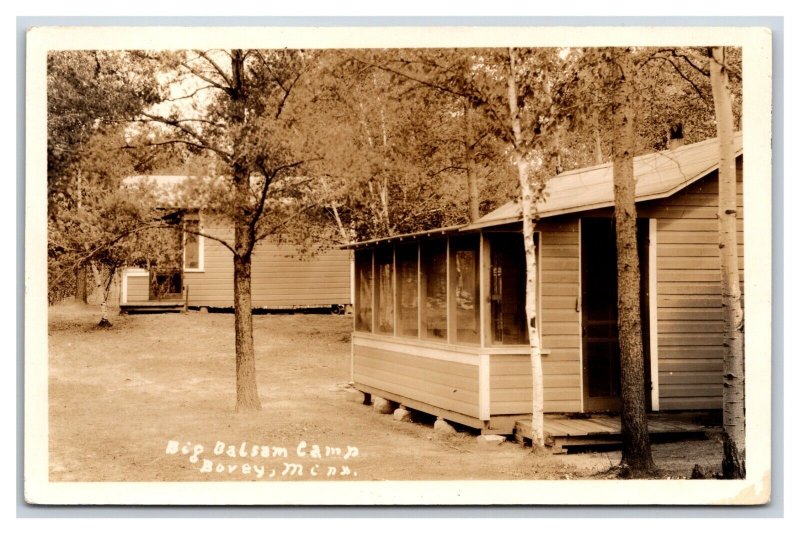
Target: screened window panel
(384, 269)
(466, 289)
(434, 281)
(507, 288)
(407, 290)
(363, 302)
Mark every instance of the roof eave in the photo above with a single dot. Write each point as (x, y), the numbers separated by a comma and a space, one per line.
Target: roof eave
(578, 209)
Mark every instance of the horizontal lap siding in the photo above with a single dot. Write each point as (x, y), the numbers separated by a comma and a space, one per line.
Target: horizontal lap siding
(278, 280)
(510, 383)
(138, 288)
(560, 326)
(689, 294)
(444, 384)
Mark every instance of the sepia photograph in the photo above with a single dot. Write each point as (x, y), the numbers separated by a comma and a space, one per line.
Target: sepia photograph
(398, 266)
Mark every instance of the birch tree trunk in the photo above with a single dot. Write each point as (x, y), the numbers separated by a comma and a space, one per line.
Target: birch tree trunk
(528, 213)
(733, 417)
(636, 454)
(472, 179)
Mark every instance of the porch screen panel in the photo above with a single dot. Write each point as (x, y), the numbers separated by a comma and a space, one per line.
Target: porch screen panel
(384, 295)
(407, 290)
(434, 283)
(507, 285)
(364, 290)
(465, 269)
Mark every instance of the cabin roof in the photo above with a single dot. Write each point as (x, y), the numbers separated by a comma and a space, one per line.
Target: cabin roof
(658, 175)
(407, 237)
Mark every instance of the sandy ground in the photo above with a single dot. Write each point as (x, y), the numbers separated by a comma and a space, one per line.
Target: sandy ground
(134, 402)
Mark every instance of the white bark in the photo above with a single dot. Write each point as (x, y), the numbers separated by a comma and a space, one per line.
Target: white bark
(528, 212)
(733, 418)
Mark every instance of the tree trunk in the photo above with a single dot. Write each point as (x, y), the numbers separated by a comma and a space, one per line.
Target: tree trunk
(598, 146)
(636, 454)
(246, 386)
(81, 292)
(733, 416)
(528, 203)
(472, 179)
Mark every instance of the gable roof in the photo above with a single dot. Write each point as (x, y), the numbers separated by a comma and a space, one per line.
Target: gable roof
(658, 175)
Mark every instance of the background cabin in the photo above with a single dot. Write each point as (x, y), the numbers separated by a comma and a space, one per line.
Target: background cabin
(440, 319)
(202, 274)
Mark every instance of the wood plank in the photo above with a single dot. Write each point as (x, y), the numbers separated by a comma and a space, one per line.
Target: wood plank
(692, 250)
(690, 340)
(560, 289)
(697, 237)
(419, 362)
(559, 251)
(416, 404)
(687, 263)
(559, 315)
(550, 393)
(689, 301)
(686, 327)
(675, 365)
(560, 303)
(560, 277)
(689, 378)
(693, 225)
(523, 382)
(559, 264)
(399, 368)
(550, 328)
(445, 391)
(421, 395)
(690, 390)
(699, 403)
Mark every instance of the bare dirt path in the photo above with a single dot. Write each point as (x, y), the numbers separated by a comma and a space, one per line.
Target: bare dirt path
(118, 396)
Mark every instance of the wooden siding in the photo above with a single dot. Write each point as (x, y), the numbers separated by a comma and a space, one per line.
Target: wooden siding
(406, 371)
(138, 288)
(510, 382)
(560, 327)
(689, 294)
(278, 280)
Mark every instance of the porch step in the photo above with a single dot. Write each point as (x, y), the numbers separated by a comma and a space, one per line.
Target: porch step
(562, 432)
(152, 306)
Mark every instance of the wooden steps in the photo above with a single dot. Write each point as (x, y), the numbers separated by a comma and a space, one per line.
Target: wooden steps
(152, 306)
(563, 432)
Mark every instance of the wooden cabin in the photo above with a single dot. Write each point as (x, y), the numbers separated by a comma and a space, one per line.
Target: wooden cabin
(440, 320)
(202, 277)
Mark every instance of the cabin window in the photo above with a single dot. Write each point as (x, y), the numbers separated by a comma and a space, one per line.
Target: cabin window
(507, 288)
(407, 290)
(192, 245)
(364, 290)
(464, 269)
(434, 284)
(384, 295)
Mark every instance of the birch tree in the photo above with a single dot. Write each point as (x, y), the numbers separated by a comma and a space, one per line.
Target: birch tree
(510, 90)
(528, 199)
(733, 414)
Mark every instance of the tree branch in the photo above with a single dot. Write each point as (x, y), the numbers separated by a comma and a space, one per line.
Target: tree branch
(688, 80)
(214, 64)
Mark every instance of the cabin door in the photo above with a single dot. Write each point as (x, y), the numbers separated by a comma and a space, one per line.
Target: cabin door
(601, 354)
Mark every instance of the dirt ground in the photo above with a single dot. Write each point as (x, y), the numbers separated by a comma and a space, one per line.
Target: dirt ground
(138, 401)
